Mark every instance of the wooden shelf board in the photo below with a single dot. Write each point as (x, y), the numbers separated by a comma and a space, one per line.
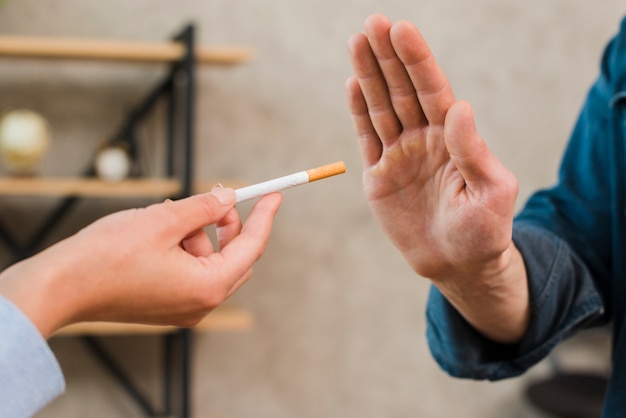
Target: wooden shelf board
(48, 186)
(92, 187)
(224, 318)
(133, 51)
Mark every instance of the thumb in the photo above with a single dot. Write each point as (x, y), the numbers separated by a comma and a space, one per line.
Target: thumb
(468, 151)
(197, 211)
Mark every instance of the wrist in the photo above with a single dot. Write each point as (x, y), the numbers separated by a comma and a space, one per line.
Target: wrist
(34, 285)
(485, 276)
(493, 297)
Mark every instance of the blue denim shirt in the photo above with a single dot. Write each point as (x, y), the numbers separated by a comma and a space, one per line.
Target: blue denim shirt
(573, 240)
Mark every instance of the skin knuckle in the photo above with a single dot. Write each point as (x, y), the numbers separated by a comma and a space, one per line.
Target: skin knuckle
(209, 205)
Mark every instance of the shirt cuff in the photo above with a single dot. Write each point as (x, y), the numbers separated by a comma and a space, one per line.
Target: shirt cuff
(563, 299)
(30, 376)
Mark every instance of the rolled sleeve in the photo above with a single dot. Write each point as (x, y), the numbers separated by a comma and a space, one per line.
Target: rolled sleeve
(30, 376)
(563, 299)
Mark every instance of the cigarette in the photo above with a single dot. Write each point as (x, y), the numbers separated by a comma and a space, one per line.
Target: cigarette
(281, 183)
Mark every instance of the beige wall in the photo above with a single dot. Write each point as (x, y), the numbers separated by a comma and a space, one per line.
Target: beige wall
(340, 323)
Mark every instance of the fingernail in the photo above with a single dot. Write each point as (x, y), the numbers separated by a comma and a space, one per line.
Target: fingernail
(217, 186)
(168, 201)
(225, 196)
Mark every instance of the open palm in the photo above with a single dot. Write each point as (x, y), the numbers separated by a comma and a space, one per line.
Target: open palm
(440, 195)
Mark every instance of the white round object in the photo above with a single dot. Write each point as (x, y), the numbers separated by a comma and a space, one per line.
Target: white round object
(112, 164)
(24, 140)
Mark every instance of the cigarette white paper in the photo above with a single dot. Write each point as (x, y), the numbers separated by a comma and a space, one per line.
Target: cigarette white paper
(271, 186)
(292, 180)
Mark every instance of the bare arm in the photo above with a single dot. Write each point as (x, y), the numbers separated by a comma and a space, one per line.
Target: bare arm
(441, 196)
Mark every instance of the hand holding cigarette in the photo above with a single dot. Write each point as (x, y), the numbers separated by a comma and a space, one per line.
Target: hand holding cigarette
(286, 182)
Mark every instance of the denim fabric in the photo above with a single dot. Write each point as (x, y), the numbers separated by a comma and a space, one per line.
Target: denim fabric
(463, 352)
(30, 376)
(573, 240)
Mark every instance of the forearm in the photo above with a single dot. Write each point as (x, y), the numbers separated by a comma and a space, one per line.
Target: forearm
(495, 301)
(36, 287)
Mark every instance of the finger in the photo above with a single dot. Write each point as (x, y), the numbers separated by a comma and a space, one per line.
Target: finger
(432, 87)
(374, 88)
(242, 280)
(181, 217)
(228, 228)
(468, 151)
(236, 258)
(369, 143)
(270, 210)
(198, 244)
(401, 90)
(258, 225)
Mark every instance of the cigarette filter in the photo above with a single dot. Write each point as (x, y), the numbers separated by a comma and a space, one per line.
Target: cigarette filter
(292, 180)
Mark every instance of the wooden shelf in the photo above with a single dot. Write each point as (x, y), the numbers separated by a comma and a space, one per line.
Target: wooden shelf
(87, 187)
(224, 318)
(103, 50)
(92, 187)
(174, 53)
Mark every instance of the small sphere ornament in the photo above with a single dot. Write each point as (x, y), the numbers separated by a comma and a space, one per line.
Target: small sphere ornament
(24, 140)
(113, 163)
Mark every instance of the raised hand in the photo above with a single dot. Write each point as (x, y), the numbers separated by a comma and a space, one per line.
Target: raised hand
(443, 199)
(441, 196)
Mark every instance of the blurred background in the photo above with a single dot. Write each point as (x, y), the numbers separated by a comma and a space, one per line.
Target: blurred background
(339, 318)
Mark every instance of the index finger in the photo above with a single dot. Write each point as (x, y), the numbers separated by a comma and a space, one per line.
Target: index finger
(433, 89)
